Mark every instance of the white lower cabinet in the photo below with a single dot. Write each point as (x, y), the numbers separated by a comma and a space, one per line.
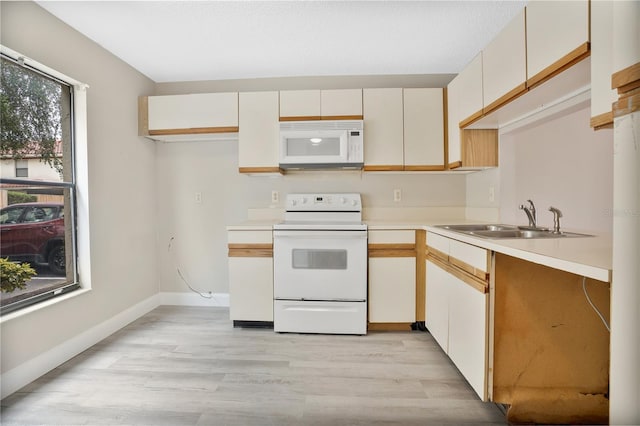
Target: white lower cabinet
(250, 265)
(457, 318)
(392, 289)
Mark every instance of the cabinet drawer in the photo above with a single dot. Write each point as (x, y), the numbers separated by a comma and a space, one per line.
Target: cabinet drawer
(394, 236)
(438, 245)
(472, 256)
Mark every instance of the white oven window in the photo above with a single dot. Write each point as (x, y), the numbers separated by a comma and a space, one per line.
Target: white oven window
(319, 259)
(302, 147)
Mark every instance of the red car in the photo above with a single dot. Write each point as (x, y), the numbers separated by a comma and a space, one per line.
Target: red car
(34, 232)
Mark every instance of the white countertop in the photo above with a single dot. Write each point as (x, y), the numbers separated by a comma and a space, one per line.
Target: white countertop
(586, 256)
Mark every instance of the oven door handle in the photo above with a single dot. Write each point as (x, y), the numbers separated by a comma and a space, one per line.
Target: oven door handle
(351, 235)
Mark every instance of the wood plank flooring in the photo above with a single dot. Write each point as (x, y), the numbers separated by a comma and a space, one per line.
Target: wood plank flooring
(189, 366)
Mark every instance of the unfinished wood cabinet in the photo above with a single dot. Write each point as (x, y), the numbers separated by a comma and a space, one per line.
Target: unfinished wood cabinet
(557, 37)
(384, 128)
(392, 279)
(177, 117)
(259, 133)
(479, 148)
(250, 264)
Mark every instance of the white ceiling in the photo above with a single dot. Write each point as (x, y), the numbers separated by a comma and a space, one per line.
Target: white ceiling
(171, 41)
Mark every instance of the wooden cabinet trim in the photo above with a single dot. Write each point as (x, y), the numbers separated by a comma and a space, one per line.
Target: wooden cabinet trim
(301, 118)
(437, 253)
(194, 131)
(383, 168)
(424, 168)
(455, 165)
(421, 282)
(628, 103)
(513, 94)
(391, 246)
(323, 117)
(576, 55)
(602, 121)
(626, 79)
(389, 326)
(260, 170)
(392, 253)
(471, 119)
(143, 116)
(473, 281)
(250, 250)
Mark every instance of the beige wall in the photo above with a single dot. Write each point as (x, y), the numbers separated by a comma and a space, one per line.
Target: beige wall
(121, 183)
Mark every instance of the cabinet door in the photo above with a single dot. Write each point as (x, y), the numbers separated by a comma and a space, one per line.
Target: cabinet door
(341, 103)
(186, 113)
(470, 91)
(468, 333)
(392, 290)
(602, 96)
(557, 33)
(251, 288)
(423, 129)
(437, 304)
(258, 137)
(300, 104)
(453, 119)
(504, 65)
(383, 129)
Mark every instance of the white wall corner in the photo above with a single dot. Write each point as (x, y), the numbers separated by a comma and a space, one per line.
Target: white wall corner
(194, 299)
(34, 368)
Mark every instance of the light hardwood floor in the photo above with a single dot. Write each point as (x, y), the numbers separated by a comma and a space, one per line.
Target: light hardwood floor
(189, 366)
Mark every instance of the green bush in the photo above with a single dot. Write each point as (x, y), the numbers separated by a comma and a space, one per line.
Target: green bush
(14, 275)
(15, 197)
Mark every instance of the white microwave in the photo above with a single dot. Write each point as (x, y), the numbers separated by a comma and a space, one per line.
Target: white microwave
(322, 144)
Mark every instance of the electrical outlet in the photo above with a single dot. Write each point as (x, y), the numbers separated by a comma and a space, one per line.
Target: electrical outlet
(275, 197)
(492, 194)
(397, 195)
(198, 197)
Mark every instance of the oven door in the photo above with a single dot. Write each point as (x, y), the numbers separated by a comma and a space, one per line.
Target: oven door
(320, 265)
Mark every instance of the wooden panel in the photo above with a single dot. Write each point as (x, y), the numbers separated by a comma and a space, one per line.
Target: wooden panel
(193, 131)
(392, 252)
(626, 77)
(301, 118)
(423, 129)
(628, 103)
(385, 168)
(260, 170)
(423, 168)
(250, 250)
(479, 148)
(551, 351)
(421, 290)
(259, 133)
(342, 117)
(602, 121)
(340, 102)
(143, 116)
(389, 326)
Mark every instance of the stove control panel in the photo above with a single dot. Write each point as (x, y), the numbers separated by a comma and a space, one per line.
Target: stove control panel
(348, 202)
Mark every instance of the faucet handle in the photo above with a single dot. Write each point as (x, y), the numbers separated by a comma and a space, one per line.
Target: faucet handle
(557, 214)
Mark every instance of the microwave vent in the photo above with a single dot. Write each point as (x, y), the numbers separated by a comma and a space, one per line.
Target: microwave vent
(322, 125)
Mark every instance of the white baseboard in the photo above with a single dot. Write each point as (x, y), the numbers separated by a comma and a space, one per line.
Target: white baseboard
(194, 299)
(30, 370)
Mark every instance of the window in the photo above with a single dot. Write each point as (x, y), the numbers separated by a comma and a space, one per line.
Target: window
(37, 216)
(22, 168)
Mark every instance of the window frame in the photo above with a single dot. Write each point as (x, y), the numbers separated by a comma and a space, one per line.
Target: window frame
(70, 185)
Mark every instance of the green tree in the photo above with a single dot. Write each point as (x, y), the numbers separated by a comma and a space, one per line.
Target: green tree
(30, 114)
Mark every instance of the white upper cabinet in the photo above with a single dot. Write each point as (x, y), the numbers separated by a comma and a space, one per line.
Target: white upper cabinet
(259, 132)
(504, 64)
(423, 129)
(341, 103)
(383, 129)
(602, 96)
(301, 104)
(470, 102)
(193, 113)
(557, 34)
(319, 104)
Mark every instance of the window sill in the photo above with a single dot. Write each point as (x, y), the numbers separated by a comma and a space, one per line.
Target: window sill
(42, 305)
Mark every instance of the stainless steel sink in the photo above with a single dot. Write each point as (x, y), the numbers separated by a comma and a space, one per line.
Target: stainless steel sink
(508, 232)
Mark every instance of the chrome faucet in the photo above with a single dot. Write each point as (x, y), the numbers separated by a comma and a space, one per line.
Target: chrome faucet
(531, 213)
(557, 214)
